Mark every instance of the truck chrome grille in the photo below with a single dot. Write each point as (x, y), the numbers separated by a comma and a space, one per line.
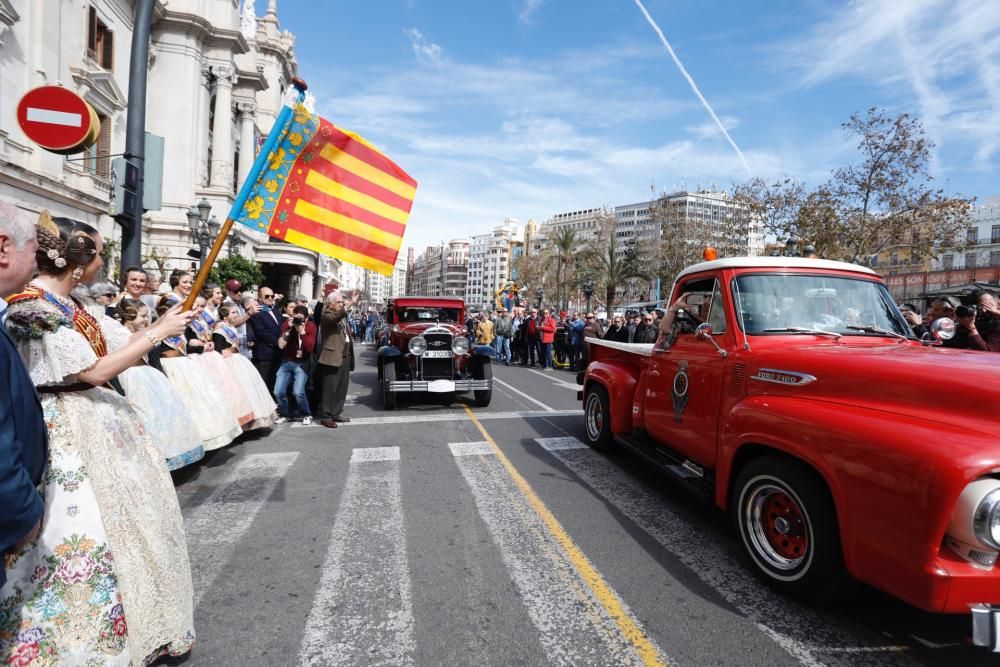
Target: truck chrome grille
(438, 369)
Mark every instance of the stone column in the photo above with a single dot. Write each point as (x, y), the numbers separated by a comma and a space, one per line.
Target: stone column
(247, 111)
(306, 284)
(222, 130)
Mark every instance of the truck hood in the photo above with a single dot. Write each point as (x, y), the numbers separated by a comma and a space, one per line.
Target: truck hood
(959, 388)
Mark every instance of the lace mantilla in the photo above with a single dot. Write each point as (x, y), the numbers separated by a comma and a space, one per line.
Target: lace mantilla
(55, 357)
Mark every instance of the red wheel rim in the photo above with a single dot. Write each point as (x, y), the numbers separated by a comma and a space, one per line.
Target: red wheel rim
(784, 526)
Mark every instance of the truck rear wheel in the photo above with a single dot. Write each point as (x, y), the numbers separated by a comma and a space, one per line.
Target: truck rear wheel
(597, 417)
(788, 526)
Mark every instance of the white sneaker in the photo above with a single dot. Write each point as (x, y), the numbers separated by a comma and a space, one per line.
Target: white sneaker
(307, 421)
(280, 420)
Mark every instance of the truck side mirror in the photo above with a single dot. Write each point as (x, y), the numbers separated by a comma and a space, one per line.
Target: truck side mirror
(704, 332)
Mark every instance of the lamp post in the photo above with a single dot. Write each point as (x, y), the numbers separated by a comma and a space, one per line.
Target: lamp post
(235, 244)
(203, 229)
(588, 289)
(539, 294)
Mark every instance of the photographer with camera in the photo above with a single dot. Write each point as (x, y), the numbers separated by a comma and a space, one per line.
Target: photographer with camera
(985, 326)
(296, 343)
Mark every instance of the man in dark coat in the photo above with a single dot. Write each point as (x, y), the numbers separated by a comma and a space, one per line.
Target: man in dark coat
(266, 328)
(23, 434)
(336, 361)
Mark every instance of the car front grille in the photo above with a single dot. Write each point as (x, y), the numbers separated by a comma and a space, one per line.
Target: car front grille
(438, 369)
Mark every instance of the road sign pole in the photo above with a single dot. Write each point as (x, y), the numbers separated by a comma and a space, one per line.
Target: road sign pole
(130, 218)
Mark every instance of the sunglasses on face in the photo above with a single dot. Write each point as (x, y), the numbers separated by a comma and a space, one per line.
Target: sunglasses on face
(267, 296)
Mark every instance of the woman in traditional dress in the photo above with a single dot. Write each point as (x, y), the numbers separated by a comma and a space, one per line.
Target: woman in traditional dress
(200, 393)
(224, 338)
(202, 351)
(107, 581)
(149, 391)
(181, 284)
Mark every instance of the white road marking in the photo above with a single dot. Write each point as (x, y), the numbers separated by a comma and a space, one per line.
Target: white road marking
(216, 526)
(573, 627)
(362, 613)
(51, 117)
(523, 395)
(451, 417)
(796, 628)
(551, 375)
(556, 444)
(373, 454)
(471, 448)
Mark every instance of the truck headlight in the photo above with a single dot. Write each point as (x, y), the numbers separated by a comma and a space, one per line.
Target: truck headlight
(460, 345)
(418, 345)
(976, 517)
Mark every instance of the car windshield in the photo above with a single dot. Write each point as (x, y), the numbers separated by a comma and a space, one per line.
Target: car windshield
(768, 304)
(428, 314)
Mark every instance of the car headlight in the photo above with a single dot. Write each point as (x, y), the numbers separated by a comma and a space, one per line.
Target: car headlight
(418, 345)
(976, 517)
(460, 345)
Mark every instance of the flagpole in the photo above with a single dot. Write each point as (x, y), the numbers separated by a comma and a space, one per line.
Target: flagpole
(245, 190)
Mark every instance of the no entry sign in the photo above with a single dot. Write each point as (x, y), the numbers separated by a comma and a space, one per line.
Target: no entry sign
(58, 120)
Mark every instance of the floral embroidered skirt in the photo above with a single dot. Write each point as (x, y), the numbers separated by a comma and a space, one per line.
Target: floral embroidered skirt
(108, 581)
(167, 422)
(202, 397)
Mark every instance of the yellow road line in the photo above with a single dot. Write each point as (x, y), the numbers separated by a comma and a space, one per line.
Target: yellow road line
(602, 592)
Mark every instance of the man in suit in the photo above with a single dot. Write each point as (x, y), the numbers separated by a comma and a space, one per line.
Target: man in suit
(23, 435)
(266, 328)
(336, 361)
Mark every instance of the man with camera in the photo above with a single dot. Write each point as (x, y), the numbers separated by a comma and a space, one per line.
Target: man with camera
(298, 338)
(982, 322)
(335, 362)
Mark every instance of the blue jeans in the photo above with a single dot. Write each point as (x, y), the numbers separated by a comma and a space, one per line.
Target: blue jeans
(286, 373)
(502, 346)
(545, 355)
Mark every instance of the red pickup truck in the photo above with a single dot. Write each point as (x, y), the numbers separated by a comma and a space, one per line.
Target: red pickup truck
(793, 394)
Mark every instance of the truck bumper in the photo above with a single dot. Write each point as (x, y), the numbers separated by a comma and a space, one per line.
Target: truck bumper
(986, 626)
(440, 386)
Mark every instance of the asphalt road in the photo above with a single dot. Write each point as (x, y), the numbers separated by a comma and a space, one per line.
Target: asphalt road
(425, 536)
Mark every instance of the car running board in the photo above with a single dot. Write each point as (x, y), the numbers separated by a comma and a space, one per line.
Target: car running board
(691, 475)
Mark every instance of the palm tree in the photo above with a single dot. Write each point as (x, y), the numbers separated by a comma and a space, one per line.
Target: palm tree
(563, 242)
(612, 265)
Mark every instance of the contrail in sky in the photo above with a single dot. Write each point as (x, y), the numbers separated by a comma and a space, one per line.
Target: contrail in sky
(694, 87)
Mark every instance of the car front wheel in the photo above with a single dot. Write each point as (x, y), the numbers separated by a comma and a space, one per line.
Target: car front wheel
(388, 375)
(483, 371)
(788, 526)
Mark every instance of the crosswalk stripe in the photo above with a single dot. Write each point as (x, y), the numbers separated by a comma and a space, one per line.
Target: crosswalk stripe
(557, 444)
(214, 527)
(471, 448)
(795, 628)
(573, 626)
(362, 612)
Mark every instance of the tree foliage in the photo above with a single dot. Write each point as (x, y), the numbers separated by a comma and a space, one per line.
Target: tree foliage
(247, 271)
(612, 264)
(882, 201)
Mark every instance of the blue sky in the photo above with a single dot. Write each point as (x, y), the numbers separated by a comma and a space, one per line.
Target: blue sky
(527, 108)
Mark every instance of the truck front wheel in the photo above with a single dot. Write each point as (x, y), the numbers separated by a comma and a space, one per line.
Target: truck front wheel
(788, 526)
(597, 417)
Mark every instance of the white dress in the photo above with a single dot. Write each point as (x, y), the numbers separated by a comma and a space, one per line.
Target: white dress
(108, 581)
(163, 413)
(264, 407)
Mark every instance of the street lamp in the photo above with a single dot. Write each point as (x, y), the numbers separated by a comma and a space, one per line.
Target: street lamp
(235, 244)
(588, 289)
(539, 294)
(203, 229)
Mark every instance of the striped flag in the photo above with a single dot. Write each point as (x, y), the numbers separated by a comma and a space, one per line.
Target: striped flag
(329, 190)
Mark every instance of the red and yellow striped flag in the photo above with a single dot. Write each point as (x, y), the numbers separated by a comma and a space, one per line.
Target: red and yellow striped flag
(329, 190)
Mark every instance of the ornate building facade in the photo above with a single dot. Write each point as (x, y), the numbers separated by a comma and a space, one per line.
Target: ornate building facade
(216, 80)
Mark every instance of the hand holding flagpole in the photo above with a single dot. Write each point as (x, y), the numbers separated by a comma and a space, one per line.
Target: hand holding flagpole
(277, 130)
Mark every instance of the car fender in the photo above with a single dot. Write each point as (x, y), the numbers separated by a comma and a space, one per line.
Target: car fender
(484, 351)
(389, 351)
(620, 383)
(868, 459)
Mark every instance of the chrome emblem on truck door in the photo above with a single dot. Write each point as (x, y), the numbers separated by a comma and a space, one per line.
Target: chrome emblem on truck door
(680, 390)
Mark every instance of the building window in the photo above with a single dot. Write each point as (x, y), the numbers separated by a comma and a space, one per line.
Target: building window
(972, 236)
(995, 258)
(970, 260)
(98, 160)
(100, 41)
(995, 234)
(949, 261)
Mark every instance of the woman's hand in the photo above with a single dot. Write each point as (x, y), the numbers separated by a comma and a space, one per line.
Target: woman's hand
(680, 303)
(172, 323)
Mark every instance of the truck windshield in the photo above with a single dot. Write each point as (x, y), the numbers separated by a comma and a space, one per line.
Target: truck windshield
(785, 303)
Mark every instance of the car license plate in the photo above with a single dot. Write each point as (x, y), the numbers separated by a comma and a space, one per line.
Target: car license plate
(441, 386)
(437, 354)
